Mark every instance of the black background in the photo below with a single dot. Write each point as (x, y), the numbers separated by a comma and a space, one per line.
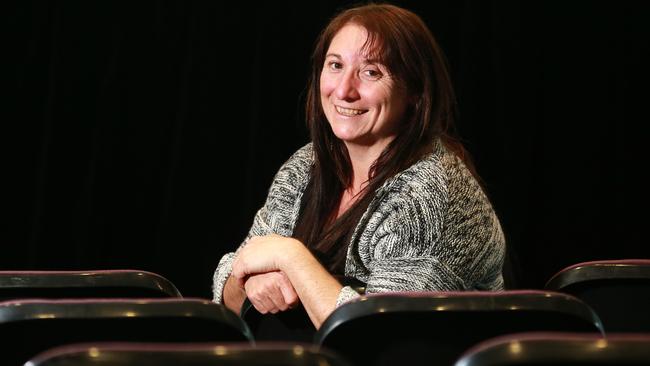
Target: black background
(144, 134)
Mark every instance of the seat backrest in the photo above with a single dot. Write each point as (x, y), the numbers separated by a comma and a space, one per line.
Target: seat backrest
(411, 327)
(28, 327)
(188, 354)
(123, 283)
(560, 349)
(618, 290)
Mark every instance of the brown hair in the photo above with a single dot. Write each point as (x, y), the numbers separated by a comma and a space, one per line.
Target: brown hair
(401, 41)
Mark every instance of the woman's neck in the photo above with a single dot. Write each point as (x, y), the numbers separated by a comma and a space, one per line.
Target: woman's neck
(361, 158)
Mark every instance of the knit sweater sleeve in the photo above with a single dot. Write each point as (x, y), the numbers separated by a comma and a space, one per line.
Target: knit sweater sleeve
(397, 248)
(438, 232)
(277, 215)
(408, 253)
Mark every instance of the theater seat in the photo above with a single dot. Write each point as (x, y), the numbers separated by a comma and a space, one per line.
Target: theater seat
(618, 290)
(436, 327)
(28, 327)
(188, 354)
(84, 284)
(560, 349)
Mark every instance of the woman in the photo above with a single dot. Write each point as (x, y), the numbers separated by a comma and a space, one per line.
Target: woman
(383, 193)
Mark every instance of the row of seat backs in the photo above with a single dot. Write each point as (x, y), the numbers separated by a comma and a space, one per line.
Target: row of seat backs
(188, 354)
(411, 326)
(384, 311)
(520, 349)
(389, 328)
(618, 291)
(599, 283)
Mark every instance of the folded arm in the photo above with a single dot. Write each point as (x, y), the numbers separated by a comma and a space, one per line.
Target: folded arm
(316, 288)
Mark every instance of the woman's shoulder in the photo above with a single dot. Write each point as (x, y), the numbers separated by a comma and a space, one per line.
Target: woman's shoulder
(301, 160)
(442, 163)
(448, 178)
(435, 174)
(427, 175)
(296, 169)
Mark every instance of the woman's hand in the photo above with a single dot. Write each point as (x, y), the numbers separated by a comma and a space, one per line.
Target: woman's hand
(271, 292)
(316, 288)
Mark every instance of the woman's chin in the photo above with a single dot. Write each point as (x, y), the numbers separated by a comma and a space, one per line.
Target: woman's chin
(348, 137)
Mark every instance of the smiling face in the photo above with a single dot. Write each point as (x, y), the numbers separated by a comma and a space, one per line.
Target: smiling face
(362, 102)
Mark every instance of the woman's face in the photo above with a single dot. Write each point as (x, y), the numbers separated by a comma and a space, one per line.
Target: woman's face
(361, 100)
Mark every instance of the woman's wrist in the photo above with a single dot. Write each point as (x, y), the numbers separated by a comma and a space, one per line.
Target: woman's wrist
(233, 295)
(293, 254)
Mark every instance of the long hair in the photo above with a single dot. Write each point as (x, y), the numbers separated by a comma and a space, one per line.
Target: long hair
(401, 41)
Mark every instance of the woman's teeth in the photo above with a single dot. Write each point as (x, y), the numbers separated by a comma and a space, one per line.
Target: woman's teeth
(349, 111)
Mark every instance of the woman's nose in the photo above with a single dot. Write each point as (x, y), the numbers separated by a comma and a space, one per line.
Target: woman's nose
(347, 87)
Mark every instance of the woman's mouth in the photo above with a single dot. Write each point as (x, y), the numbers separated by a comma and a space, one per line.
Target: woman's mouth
(350, 112)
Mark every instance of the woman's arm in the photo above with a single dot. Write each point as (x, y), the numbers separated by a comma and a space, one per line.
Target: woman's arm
(277, 215)
(316, 287)
(233, 295)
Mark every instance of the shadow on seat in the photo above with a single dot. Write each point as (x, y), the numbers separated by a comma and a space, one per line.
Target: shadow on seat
(416, 328)
(28, 327)
(618, 290)
(189, 354)
(84, 284)
(555, 349)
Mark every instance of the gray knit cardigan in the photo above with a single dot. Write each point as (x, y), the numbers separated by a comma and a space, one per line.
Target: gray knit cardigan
(429, 228)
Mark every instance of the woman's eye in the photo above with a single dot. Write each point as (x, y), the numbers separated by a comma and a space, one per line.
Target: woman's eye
(372, 73)
(334, 65)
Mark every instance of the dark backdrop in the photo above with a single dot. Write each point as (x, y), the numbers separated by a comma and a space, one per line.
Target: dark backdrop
(144, 134)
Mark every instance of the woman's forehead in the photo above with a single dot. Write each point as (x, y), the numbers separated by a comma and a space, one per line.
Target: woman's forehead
(367, 44)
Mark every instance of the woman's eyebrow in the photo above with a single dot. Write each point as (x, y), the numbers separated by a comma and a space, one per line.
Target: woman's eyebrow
(372, 61)
(333, 55)
(367, 61)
